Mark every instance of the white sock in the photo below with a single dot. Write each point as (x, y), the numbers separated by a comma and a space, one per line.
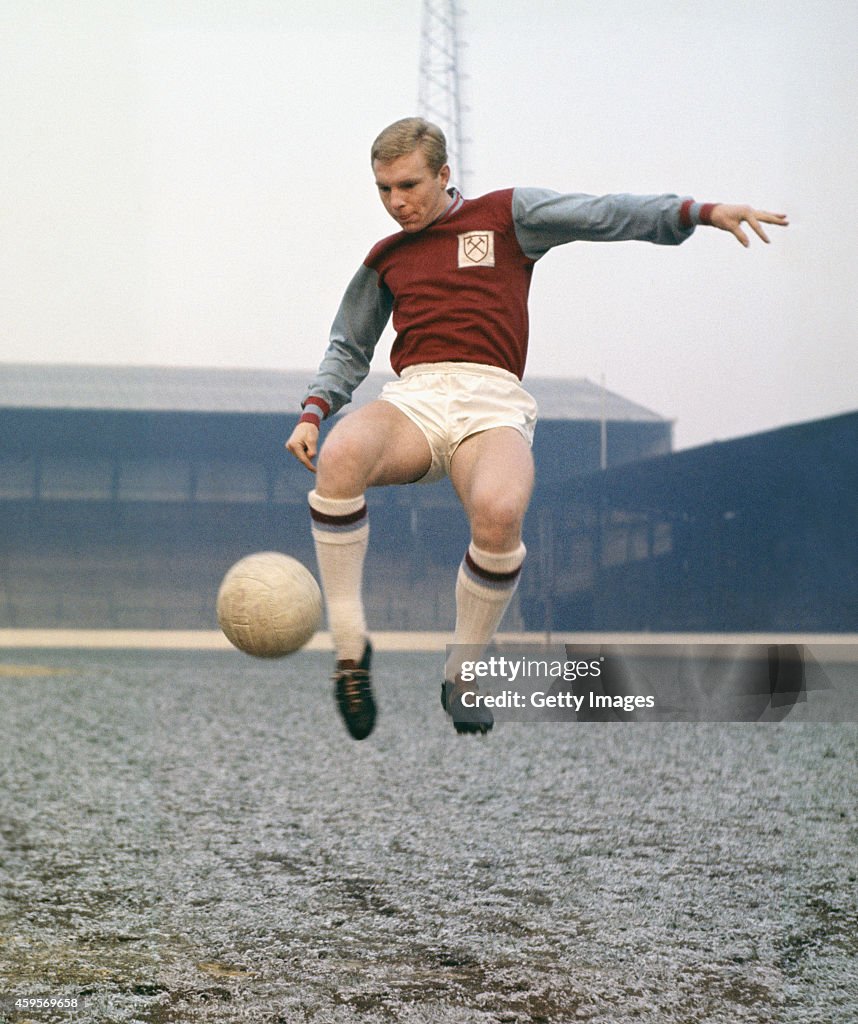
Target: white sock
(340, 529)
(484, 588)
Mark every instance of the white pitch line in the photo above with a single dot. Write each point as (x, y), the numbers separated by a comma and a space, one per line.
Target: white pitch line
(836, 645)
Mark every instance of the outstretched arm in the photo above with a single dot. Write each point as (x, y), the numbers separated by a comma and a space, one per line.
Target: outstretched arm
(730, 218)
(543, 219)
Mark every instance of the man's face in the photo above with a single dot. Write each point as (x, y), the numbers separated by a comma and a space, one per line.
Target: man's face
(412, 194)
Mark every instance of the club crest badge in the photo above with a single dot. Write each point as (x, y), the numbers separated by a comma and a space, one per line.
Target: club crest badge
(477, 249)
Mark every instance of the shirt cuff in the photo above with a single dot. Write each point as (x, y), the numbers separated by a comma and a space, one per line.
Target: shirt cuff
(691, 213)
(315, 410)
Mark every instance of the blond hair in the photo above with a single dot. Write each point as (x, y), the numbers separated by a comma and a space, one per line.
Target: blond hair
(404, 136)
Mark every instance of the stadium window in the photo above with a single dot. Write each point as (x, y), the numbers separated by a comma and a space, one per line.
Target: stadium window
(626, 538)
(17, 477)
(219, 480)
(154, 479)
(662, 538)
(74, 478)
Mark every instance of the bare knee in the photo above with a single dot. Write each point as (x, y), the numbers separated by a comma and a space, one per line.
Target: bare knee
(492, 472)
(343, 467)
(497, 520)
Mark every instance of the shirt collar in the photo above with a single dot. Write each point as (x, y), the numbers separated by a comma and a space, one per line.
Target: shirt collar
(453, 206)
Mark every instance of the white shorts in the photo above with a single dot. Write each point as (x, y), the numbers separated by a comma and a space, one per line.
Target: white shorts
(452, 401)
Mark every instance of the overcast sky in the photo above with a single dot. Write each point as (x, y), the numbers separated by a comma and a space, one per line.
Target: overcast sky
(188, 183)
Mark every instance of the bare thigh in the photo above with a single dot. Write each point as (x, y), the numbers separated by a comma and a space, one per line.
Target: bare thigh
(371, 447)
(493, 475)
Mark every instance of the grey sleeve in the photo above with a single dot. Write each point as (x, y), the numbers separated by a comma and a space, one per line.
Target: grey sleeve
(543, 219)
(363, 314)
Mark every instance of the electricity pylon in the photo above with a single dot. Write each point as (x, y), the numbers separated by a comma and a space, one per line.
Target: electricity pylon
(440, 89)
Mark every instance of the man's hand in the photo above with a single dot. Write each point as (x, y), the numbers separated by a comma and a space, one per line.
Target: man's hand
(304, 443)
(730, 218)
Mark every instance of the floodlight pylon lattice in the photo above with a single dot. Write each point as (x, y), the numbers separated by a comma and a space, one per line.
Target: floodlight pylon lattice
(441, 77)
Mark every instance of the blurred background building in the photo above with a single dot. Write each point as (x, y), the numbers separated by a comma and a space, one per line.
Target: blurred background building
(126, 493)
